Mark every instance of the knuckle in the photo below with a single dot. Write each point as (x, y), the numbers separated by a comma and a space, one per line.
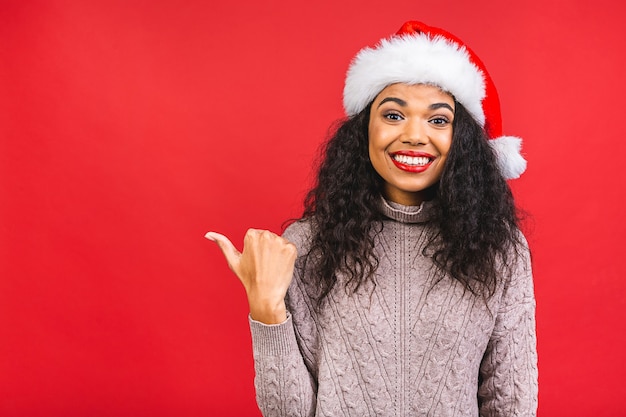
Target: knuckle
(290, 248)
(267, 235)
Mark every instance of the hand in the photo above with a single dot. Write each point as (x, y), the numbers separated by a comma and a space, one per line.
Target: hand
(265, 268)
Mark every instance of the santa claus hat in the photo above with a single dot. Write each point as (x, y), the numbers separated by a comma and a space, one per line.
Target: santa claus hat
(420, 54)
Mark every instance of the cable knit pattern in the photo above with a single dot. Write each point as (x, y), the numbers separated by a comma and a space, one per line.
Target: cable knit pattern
(408, 346)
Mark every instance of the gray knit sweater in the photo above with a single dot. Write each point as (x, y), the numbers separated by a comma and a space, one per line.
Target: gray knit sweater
(408, 346)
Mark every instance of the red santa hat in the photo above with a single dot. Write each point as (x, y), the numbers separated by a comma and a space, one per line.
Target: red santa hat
(420, 54)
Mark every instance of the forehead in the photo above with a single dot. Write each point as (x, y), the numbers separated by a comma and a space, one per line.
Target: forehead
(415, 91)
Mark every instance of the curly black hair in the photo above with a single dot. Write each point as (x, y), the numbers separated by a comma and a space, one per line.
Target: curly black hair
(475, 223)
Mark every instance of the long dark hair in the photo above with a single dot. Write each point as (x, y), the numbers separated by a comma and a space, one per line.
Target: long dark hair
(475, 222)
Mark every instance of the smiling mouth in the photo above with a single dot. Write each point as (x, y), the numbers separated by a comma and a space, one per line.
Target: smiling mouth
(414, 161)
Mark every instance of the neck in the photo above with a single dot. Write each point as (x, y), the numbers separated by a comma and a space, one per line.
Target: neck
(409, 198)
(405, 213)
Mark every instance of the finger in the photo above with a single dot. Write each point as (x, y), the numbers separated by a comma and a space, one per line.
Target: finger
(231, 253)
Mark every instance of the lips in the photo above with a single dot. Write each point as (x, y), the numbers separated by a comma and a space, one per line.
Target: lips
(411, 161)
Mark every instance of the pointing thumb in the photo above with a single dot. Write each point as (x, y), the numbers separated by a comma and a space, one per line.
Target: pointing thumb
(231, 253)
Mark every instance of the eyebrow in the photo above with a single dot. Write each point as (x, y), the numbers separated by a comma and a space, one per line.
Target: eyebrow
(394, 99)
(436, 106)
(403, 103)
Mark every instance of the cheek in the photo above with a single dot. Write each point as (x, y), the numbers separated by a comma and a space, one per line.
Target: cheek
(378, 140)
(371, 143)
(377, 151)
(448, 146)
(444, 143)
(377, 157)
(374, 156)
(445, 152)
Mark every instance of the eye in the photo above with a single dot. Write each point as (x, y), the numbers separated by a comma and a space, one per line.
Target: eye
(393, 116)
(439, 121)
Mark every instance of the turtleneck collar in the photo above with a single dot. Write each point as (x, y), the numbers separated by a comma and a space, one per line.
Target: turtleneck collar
(406, 214)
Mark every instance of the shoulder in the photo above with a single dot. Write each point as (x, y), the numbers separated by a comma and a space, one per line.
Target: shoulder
(299, 233)
(519, 287)
(522, 250)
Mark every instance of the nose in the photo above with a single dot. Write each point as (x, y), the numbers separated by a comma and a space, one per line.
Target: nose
(415, 133)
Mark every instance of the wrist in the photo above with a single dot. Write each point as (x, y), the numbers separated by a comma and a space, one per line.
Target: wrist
(269, 314)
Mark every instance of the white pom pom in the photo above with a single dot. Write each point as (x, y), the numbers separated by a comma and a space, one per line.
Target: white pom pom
(510, 160)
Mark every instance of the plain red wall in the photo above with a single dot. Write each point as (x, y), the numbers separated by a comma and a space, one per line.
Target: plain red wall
(130, 128)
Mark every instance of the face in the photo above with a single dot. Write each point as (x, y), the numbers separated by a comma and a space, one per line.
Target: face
(410, 133)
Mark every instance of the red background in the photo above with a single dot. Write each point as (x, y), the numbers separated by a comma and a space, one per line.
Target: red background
(130, 128)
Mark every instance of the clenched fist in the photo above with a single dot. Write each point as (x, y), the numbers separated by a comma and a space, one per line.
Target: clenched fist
(265, 268)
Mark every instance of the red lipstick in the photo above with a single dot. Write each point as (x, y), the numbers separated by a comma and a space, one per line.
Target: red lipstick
(404, 161)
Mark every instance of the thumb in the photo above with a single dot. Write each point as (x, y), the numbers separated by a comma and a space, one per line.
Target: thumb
(231, 253)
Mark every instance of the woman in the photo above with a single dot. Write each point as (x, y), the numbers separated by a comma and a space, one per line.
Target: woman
(411, 292)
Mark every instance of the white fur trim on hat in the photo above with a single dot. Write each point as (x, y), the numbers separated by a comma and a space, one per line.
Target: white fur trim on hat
(414, 59)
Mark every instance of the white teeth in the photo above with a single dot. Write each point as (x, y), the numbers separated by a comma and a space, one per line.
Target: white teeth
(412, 160)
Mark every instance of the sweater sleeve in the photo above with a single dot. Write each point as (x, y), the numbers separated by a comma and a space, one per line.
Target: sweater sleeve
(508, 372)
(284, 383)
(284, 386)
